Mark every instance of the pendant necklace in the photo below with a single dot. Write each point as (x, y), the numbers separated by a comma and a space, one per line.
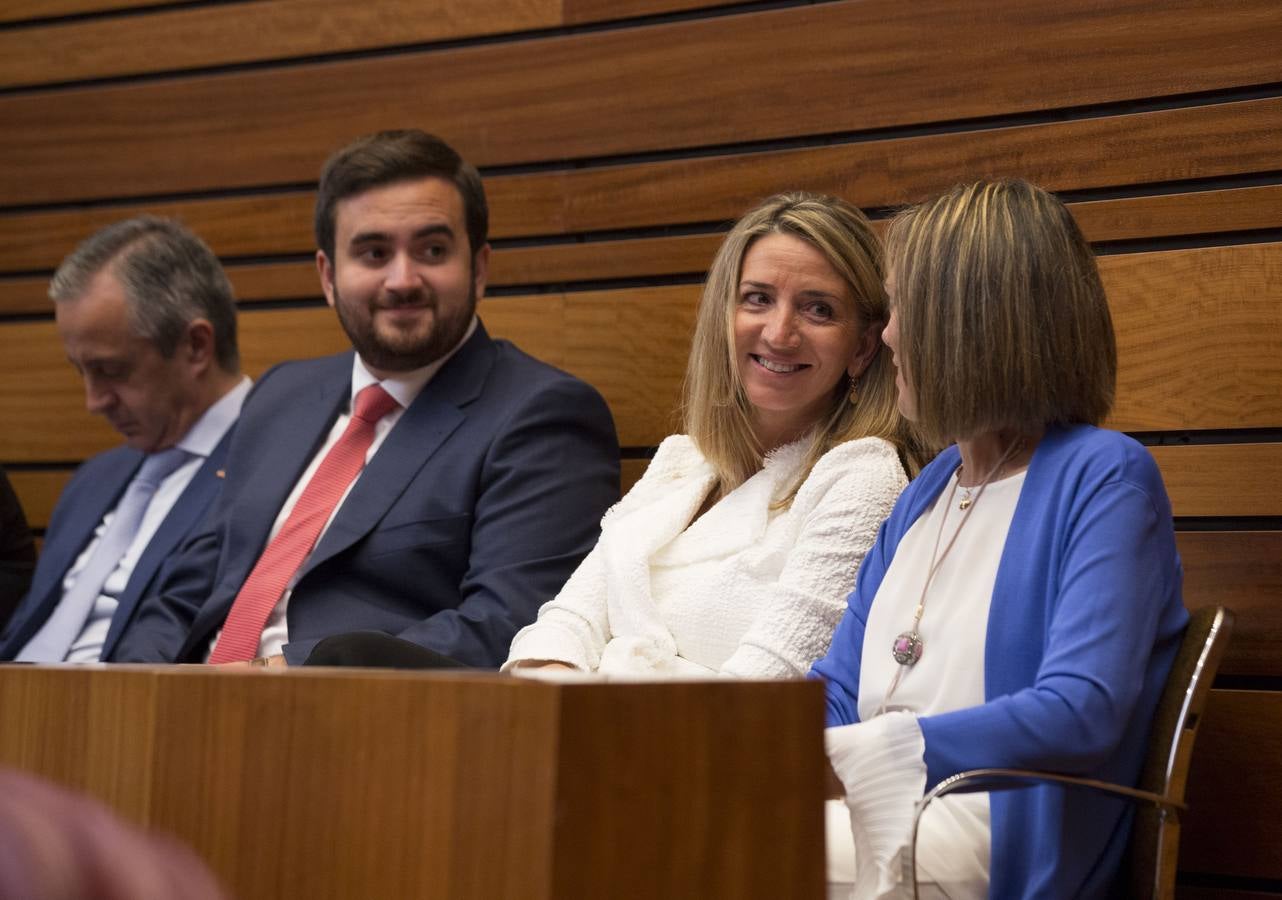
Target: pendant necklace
(908, 645)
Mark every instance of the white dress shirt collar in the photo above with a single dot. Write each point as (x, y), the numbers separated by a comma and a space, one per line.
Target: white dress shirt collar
(404, 386)
(202, 437)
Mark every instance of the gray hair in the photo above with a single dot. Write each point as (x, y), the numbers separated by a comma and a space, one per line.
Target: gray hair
(170, 278)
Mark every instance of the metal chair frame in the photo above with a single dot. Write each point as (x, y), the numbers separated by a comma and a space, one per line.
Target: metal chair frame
(1165, 768)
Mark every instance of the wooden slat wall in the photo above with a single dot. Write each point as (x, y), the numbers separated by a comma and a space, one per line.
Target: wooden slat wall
(620, 138)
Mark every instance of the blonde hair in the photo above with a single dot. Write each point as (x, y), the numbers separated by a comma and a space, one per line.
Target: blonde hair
(1002, 318)
(715, 406)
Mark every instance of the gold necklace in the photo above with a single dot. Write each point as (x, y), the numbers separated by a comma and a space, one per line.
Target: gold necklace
(967, 499)
(908, 645)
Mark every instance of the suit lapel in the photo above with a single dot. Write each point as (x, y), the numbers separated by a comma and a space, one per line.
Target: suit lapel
(100, 496)
(737, 522)
(194, 502)
(630, 542)
(434, 415)
(75, 529)
(282, 454)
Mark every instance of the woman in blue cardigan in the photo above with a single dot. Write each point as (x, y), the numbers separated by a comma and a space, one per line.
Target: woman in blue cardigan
(1021, 606)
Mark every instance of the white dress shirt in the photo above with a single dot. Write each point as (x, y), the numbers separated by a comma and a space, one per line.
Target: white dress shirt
(880, 758)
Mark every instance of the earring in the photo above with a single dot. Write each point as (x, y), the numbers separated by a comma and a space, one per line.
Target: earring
(853, 392)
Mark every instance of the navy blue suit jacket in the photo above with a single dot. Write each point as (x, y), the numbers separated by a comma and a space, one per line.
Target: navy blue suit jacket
(92, 492)
(17, 551)
(476, 508)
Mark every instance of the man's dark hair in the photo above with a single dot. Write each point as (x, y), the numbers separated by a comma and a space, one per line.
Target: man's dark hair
(388, 157)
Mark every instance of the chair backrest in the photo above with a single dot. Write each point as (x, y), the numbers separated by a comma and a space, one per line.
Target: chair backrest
(1155, 835)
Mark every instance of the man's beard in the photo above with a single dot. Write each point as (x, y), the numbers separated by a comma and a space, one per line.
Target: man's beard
(403, 355)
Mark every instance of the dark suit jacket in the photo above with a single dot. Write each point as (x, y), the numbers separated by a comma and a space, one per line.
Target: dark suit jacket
(17, 551)
(479, 504)
(92, 492)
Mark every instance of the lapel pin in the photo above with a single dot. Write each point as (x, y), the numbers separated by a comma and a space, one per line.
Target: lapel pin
(221, 473)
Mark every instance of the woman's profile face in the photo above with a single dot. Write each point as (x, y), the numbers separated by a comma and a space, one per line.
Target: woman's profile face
(890, 337)
(796, 336)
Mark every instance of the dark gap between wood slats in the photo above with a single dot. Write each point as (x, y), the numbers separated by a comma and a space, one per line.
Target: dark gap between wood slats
(123, 12)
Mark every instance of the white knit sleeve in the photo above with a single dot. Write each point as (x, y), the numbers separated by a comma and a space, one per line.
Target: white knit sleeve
(574, 627)
(842, 504)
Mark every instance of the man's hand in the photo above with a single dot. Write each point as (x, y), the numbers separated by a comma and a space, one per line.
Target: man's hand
(543, 664)
(262, 662)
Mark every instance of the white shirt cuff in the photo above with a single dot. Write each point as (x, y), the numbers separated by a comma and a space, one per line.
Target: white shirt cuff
(882, 765)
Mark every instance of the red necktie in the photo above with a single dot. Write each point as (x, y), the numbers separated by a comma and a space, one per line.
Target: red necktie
(287, 551)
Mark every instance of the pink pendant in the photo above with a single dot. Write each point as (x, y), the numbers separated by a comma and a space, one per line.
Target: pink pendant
(907, 648)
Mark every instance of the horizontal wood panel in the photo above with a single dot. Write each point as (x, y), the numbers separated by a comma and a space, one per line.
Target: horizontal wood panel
(38, 491)
(176, 39)
(1235, 788)
(586, 261)
(1104, 220)
(1243, 571)
(1199, 335)
(205, 36)
(233, 226)
(632, 344)
(213, 35)
(638, 362)
(532, 266)
(1161, 146)
(580, 12)
(40, 388)
(1223, 479)
(22, 10)
(1170, 145)
(1166, 215)
(645, 88)
(552, 264)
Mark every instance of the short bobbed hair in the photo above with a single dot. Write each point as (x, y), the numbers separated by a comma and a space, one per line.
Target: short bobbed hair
(389, 157)
(715, 405)
(1003, 324)
(169, 276)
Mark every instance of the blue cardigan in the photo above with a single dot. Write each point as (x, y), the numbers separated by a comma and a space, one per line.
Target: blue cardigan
(1085, 621)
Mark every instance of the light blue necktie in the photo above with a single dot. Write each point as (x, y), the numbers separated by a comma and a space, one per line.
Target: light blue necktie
(60, 630)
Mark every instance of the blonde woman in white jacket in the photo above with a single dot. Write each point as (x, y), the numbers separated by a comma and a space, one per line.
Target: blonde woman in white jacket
(735, 551)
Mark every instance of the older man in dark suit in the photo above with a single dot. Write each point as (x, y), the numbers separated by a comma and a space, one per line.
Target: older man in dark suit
(146, 316)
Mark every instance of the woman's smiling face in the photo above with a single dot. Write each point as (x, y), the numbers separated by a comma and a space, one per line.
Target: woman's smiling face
(796, 336)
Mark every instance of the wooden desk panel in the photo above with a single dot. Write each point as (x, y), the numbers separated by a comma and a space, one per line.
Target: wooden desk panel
(338, 784)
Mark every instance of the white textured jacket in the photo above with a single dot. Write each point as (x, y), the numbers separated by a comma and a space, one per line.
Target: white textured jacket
(744, 590)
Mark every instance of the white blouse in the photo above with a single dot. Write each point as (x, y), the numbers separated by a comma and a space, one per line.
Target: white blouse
(747, 589)
(953, 846)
